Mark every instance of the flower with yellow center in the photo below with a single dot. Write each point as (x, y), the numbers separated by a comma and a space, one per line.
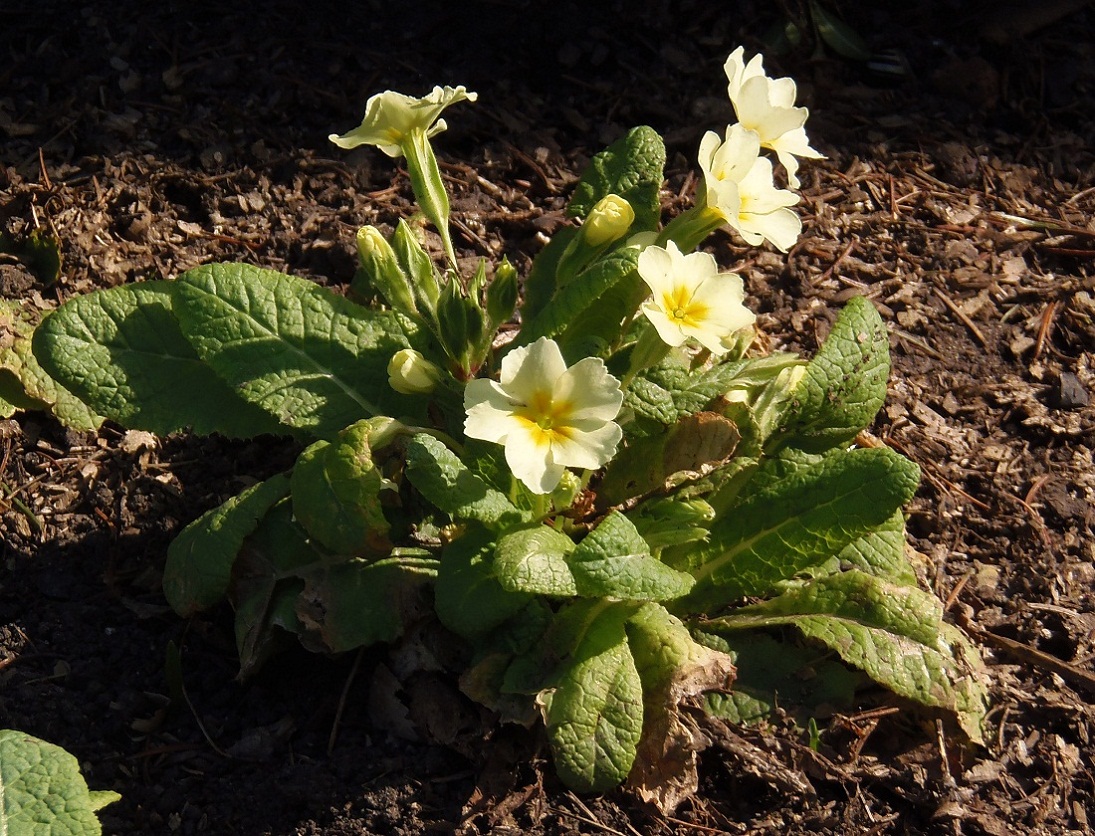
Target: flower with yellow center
(548, 416)
(690, 298)
(766, 106)
(739, 187)
(391, 117)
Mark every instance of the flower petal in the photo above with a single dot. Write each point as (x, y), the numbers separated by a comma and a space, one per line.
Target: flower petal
(530, 460)
(669, 329)
(593, 394)
(531, 369)
(490, 411)
(588, 445)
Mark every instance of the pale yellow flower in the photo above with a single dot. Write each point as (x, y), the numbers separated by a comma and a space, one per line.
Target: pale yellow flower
(766, 106)
(690, 298)
(390, 117)
(740, 188)
(548, 416)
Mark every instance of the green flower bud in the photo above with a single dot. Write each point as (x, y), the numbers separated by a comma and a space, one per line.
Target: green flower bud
(416, 264)
(502, 294)
(412, 374)
(608, 221)
(381, 269)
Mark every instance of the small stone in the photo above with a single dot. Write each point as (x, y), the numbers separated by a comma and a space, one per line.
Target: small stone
(1071, 393)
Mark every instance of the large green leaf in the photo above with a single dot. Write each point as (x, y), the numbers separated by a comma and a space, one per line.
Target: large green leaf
(894, 633)
(42, 792)
(593, 708)
(845, 383)
(441, 477)
(577, 296)
(199, 560)
(632, 168)
(613, 561)
(336, 490)
(534, 560)
(355, 603)
(304, 354)
(468, 598)
(794, 523)
(121, 351)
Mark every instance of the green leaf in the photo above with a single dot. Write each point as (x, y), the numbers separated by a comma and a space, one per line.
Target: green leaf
(336, 490)
(121, 351)
(40, 251)
(632, 168)
(845, 383)
(356, 604)
(535, 560)
(773, 674)
(199, 560)
(571, 301)
(881, 552)
(593, 709)
(895, 634)
(42, 792)
(468, 598)
(448, 483)
(614, 561)
(304, 354)
(540, 284)
(796, 522)
(841, 37)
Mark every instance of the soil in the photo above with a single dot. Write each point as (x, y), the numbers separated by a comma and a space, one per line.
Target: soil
(156, 137)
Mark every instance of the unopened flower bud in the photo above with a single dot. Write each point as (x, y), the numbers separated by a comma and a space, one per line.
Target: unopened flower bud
(412, 374)
(379, 265)
(608, 221)
(502, 293)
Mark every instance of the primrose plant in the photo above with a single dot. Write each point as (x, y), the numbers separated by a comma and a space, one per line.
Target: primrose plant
(623, 512)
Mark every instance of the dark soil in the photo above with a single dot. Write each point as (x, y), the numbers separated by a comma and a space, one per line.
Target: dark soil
(156, 137)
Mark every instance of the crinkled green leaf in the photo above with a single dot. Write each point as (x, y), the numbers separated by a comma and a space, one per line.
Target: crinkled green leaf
(573, 299)
(671, 520)
(199, 560)
(801, 681)
(42, 792)
(24, 384)
(881, 552)
(540, 283)
(614, 561)
(535, 560)
(468, 598)
(122, 352)
(312, 358)
(593, 708)
(448, 483)
(795, 523)
(845, 383)
(632, 168)
(894, 633)
(336, 490)
(356, 603)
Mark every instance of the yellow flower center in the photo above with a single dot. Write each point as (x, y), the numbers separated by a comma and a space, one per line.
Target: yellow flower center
(546, 418)
(679, 306)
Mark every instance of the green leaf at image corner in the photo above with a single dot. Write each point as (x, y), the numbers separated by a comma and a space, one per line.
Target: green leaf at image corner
(313, 359)
(200, 559)
(42, 792)
(336, 489)
(895, 634)
(844, 385)
(593, 709)
(121, 352)
(632, 167)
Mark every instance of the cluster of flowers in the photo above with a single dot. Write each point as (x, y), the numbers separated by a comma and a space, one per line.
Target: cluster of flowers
(549, 416)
